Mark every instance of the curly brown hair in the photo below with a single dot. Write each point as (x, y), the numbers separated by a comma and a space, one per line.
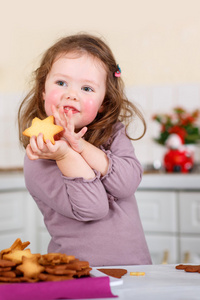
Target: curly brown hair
(118, 107)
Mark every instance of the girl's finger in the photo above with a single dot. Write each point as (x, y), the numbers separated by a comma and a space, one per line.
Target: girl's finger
(30, 153)
(62, 116)
(56, 114)
(53, 109)
(70, 124)
(50, 146)
(40, 141)
(33, 144)
(81, 133)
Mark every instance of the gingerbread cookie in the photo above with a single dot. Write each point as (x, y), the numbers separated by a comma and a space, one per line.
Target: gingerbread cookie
(20, 265)
(55, 258)
(50, 277)
(5, 264)
(189, 268)
(46, 127)
(117, 273)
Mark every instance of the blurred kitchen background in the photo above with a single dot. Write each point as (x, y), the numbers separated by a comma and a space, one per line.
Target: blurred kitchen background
(157, 45)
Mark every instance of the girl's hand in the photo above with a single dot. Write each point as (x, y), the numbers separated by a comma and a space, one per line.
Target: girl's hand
(70, 163)
(39, 149)
(66, 121)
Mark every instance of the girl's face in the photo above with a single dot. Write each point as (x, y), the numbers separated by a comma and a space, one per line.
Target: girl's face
(77, 83)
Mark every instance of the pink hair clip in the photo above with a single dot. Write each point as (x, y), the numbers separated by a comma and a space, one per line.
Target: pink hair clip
(118, 72)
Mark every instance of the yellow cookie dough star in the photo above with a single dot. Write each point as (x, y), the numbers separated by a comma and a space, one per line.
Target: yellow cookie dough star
(46, 127)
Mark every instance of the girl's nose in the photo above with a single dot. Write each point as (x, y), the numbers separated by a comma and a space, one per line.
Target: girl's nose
(71, 98)
(71, 94)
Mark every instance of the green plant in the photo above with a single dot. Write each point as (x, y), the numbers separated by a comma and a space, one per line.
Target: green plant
(180, 122)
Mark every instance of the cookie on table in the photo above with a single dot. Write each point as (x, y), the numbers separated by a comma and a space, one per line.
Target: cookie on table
(30, 267)
(189, 268)
(18, 264)
(17, 245)
(16, 255)
(117, 273)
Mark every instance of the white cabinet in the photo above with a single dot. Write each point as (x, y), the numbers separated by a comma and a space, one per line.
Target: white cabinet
(43, 236)
(163, 248)
(16, 217)
(189, 203)
(20, 218)
(158, 210)
(190, 249)
(12, 207)
(19, 215)
(171, 222)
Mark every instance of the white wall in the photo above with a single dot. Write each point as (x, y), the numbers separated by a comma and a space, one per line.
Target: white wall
(155, 42)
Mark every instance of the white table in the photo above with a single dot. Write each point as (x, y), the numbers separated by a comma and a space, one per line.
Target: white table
(162, 282)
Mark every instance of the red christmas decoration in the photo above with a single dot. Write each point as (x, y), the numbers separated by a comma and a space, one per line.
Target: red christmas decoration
(178, 161)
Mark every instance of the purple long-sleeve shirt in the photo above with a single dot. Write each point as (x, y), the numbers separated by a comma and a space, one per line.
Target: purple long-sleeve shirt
(96, 220)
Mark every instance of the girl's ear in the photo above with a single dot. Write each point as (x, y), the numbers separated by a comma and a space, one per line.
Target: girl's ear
(101, 108)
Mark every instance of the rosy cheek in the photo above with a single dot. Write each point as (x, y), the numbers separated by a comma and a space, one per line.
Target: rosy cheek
(49, 100)
(90, 109)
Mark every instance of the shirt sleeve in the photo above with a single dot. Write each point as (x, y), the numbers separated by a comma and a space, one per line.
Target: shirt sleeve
(124, 172)
(81, 199)
(76, 198)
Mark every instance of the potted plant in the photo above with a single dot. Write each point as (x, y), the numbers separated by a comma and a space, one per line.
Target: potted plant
(178, 130)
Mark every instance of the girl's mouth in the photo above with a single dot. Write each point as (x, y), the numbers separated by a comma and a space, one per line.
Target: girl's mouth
(68, 108)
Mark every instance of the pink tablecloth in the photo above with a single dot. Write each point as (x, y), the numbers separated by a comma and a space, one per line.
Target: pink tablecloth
(83, 288)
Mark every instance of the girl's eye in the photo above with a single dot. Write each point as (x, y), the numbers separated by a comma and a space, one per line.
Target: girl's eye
(87, 89)
(61, 83)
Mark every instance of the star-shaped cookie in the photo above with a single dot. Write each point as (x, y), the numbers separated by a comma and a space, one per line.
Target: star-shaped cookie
(17, 245)
(46, 127)
(30, 267)
(17, 255)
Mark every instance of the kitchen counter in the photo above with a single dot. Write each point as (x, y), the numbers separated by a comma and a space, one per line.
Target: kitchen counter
(175, 181)
(159, 179)
(162, 282)
(14, 179)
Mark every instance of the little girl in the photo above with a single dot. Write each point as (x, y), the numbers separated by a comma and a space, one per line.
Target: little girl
(84, 185)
